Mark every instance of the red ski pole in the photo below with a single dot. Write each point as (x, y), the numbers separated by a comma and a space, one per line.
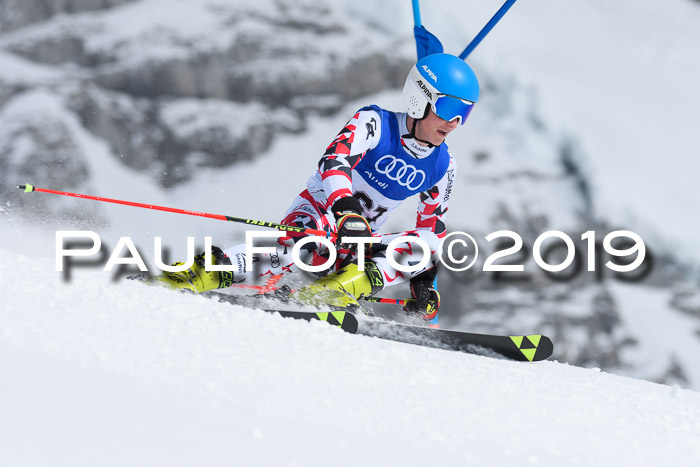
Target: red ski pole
(287, 228)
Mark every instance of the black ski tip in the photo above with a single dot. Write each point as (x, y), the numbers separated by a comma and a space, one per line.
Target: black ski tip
(545, 349)
(26, 187)
(530, 348)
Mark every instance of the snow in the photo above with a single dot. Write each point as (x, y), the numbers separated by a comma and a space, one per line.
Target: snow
(15, 70)
(186, 117)
(115, 374)
(643, 312)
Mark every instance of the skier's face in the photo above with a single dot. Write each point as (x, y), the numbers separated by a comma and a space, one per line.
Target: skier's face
(434, 129)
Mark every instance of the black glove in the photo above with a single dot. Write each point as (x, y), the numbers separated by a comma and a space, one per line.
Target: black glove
(349, 220)
(424, 300)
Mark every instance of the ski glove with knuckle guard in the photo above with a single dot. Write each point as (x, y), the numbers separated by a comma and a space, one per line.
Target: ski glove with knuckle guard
(424, 300)
(350, 223)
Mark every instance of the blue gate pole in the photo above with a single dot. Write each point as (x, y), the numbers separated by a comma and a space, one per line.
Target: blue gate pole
(486, 29)
(416, 13)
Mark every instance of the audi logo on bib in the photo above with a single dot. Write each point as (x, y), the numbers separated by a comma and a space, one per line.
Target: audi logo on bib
(398, 170)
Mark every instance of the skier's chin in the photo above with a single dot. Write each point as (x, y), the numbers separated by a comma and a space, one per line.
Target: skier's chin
(439, 138)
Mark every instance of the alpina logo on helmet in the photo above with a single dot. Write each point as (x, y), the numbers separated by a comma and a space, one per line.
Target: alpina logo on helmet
(425, 89)
(430, 73)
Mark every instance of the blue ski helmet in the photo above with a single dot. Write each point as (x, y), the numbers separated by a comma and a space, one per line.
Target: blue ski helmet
(445, 83)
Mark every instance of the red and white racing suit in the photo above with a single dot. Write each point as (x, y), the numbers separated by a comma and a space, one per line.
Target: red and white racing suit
(373, 160)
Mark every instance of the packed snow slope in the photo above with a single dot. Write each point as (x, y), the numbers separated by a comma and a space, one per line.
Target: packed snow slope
(586, 112)
(98, 373)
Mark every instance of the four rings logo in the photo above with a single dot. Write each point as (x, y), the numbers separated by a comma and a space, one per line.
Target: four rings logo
(396, 169)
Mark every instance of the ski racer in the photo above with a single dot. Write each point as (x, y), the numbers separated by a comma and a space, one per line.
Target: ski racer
(378, 160)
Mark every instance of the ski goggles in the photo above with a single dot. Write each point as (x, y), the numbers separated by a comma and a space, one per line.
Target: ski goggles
(449, 107)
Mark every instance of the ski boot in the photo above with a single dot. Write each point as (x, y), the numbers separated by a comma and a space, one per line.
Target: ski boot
(425, 299)
(196, 278)
(340, 290)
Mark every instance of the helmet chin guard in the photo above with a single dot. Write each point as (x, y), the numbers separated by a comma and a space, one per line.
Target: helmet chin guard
(417, 94)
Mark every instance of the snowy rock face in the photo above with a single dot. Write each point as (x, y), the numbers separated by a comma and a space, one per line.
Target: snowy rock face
(170, 87)
(15, 14)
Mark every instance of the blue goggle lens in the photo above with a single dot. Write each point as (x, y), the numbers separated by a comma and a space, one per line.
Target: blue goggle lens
(448, 108)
